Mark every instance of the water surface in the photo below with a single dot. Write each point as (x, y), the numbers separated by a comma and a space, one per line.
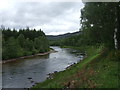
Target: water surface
(25, 73)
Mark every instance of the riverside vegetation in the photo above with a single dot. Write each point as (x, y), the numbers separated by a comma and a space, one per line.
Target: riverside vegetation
(24, 42)
(100, 38)
(98, 70)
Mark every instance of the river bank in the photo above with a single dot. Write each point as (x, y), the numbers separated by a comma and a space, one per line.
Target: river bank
(24, 57)
(27, 72)
(97, 70)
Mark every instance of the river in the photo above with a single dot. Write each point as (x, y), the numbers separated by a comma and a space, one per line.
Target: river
(25, 73)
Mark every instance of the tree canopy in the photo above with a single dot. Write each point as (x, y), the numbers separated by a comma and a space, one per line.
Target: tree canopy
(23, 42)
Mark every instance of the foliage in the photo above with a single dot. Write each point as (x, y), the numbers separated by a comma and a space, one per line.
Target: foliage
(12, 49)
(23, 42)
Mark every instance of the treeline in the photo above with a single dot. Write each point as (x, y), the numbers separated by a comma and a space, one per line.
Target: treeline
(100, 25)
(57, 42)
(23, 42)
(68, 41)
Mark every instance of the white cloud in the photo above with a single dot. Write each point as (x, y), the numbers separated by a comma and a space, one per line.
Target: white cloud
(51, 17)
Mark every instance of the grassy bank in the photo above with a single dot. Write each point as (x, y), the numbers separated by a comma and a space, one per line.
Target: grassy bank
(98, 70)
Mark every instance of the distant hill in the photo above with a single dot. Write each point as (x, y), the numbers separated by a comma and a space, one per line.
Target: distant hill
(54, 37)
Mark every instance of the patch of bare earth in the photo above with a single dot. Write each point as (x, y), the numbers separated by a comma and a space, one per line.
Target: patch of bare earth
(82, 79)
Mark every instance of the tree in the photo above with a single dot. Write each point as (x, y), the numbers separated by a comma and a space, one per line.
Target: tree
(21, 40)
(98, 22)
(12, 49)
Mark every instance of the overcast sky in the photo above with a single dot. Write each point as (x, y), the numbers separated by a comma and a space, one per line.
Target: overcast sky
(52, 17)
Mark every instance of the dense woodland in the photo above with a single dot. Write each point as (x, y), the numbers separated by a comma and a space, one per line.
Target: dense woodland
(100, 25)
(23, 42)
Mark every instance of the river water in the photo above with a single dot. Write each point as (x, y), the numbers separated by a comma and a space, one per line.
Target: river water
(25, 73)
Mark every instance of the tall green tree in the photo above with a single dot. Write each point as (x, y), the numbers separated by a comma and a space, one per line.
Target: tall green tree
(21, 40)
(98, 22)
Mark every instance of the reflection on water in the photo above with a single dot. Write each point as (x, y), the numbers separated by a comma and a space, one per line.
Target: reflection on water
(24, 73)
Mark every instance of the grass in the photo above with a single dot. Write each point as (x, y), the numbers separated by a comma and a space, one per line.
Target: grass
(98, 70)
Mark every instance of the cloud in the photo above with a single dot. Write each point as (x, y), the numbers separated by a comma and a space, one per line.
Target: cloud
(51, 17)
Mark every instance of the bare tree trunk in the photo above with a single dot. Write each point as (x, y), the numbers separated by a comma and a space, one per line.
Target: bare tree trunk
(117, 26)
(115, 30)
(115, 38)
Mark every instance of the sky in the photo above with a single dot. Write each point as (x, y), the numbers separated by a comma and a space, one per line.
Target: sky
(53, 18)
